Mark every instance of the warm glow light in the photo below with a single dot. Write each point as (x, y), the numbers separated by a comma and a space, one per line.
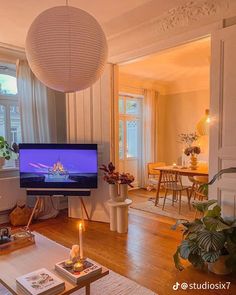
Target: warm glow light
(203, 125)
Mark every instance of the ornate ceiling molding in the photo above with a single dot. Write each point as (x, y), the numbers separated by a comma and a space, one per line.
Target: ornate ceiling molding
(190, 12)
(188, 16)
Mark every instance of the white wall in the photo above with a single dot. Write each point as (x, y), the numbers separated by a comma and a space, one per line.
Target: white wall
(179, 113)
(89, 121)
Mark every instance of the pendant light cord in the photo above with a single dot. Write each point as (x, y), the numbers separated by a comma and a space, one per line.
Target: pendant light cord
(67, 2)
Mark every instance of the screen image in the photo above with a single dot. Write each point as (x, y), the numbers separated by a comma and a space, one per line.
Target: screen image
(58, 166)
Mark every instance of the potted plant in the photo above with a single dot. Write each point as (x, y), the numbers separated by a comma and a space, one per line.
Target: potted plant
(125, 180)
(188, 139)
(112, 178)
(7, 152)
(208, 240)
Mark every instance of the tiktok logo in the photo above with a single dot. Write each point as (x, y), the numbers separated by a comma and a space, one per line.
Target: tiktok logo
(176, 286)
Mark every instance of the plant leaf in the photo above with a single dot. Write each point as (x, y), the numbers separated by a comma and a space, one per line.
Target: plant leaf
(179, 222)
(203, 206)
(211, 256)
(184, 249)
(215, 224)
(211, 240)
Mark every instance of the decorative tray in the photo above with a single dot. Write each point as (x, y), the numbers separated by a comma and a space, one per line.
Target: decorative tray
(19, 238)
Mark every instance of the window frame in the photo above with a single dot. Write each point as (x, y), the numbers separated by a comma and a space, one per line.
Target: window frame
(129, 116)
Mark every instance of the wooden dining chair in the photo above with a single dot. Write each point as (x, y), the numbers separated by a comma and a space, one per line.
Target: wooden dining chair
(172, 183)
(153, 174)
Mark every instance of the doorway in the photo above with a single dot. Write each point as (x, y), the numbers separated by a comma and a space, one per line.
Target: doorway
(174, 89)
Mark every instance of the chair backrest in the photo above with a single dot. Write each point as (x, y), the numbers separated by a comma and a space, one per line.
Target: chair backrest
(170, 177)
(152, 166)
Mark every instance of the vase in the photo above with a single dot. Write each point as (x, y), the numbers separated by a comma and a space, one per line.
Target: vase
(2, 162)
(193, 162)
(123, 192)
(113, 192)
(219, 267)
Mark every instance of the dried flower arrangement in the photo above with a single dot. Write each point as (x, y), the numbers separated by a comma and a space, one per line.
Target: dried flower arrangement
(192, 150)
(110, 175)
(188, 138)
(113, 177)
(126, 178)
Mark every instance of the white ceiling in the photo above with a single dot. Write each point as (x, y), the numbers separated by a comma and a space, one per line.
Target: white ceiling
(189, 62)
(114, 15)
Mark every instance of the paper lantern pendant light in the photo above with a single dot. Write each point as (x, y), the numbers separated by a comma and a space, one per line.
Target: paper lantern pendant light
(66, 48)
(203, 125)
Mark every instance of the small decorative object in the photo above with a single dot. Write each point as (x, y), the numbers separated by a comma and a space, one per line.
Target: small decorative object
(5, 235)
(78, 266)
(66, 48)
(193, 151)
(112, 178)
(188, 139)
(210, 240)
(20, 215)
(75, 253)
(18, 238)
(125, 180)
(174, 165)
(69, 263)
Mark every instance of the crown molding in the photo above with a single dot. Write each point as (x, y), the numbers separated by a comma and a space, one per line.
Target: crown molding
(188, 16)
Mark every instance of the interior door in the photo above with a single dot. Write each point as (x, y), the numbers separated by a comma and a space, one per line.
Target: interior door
(130, 116)
(223, 118)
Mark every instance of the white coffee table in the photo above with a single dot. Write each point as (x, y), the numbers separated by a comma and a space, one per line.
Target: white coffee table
(43, 254)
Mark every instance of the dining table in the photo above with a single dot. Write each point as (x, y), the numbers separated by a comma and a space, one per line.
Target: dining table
(183, 171)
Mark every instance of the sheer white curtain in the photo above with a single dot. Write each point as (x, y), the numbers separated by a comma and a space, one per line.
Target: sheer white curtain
(37, 107)
(38, 116)
(150, 111)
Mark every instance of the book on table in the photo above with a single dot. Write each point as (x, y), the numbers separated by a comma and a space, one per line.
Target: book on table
(90, 269)
(40, 282)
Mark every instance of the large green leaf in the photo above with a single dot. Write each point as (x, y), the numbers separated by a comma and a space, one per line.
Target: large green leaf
(211, 256)
(213, 210)
(211, 240)
(184, 249)
(215, 224)
(203, 206)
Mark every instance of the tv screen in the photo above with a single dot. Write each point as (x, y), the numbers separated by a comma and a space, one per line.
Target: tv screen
(58, 165)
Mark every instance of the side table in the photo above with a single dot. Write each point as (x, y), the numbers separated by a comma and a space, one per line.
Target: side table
(119, 215)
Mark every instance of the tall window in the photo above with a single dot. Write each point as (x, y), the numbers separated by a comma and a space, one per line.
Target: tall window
(9, 106)
(130, 135)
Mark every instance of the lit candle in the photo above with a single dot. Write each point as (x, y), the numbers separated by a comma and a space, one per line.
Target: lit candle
(81, 252)
(174, 165)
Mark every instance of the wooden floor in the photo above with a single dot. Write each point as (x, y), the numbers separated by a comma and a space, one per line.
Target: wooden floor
(143, 255)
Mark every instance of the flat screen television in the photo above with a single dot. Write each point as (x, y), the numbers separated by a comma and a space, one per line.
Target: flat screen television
(61, 166)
